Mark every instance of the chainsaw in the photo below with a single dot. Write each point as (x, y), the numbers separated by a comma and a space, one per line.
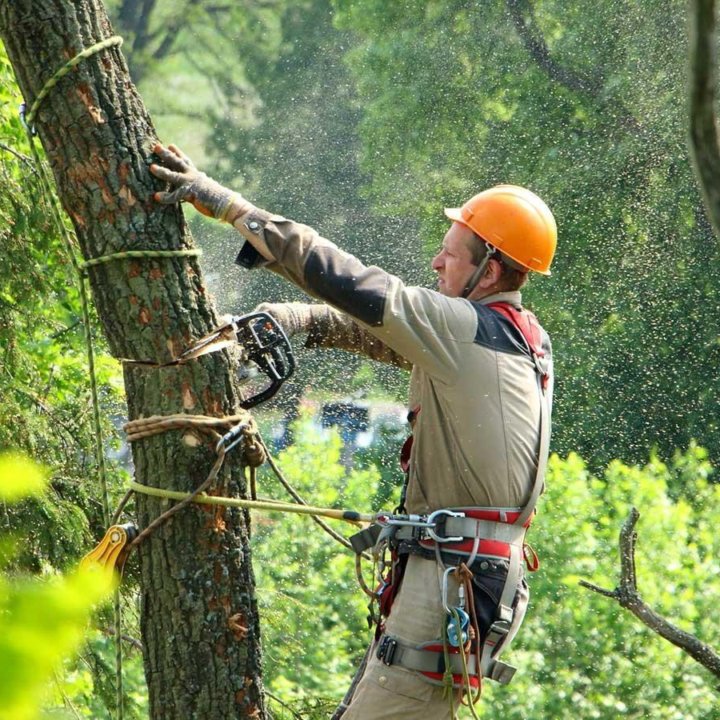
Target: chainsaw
(266, 347)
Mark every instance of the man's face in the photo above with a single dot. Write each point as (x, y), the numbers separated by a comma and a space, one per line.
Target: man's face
(453, 263)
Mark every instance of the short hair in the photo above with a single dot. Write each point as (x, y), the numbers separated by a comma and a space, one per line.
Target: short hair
(514, 275)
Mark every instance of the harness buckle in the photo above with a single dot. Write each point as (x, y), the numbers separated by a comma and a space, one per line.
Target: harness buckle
(500, 627)
(414, 521)
(386, 650)
(432, 524)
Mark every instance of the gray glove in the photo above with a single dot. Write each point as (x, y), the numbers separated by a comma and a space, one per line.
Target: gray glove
(190, 185)
(294, 317)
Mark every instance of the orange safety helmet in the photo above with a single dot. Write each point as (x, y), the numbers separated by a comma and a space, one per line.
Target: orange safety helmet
(515, 221)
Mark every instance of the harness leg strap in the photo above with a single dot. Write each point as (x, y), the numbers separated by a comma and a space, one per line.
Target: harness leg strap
(425, 658)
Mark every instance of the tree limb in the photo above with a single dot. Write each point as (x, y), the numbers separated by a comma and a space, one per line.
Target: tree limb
(703, 123)
(173, 29)
(627, 595)
(523, 18)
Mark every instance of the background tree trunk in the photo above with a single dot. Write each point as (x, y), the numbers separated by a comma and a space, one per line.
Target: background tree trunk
(199, 617)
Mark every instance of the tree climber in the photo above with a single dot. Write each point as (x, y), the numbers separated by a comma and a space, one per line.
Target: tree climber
(480, 401)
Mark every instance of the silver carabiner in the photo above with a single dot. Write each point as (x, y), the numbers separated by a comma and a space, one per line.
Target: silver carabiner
(432, 522)
(444, 589)
(419, 521)
(232, 438)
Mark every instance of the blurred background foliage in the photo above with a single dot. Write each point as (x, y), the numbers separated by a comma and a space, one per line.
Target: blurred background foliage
(364, 119)
(42, 619)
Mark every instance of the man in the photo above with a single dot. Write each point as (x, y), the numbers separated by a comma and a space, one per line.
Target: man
(480, 398)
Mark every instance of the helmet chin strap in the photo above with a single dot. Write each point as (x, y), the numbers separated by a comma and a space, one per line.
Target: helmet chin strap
(474, 279)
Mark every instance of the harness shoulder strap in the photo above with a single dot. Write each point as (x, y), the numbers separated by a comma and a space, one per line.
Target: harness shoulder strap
(526, 322)
(529, 327)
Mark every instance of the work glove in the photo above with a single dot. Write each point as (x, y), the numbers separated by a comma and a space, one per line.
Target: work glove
(188, 184)
(294, 317)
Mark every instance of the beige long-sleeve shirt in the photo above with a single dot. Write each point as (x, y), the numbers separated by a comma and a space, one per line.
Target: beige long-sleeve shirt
(473, 377)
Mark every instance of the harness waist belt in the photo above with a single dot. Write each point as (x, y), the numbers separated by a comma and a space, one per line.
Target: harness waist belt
(466, 536)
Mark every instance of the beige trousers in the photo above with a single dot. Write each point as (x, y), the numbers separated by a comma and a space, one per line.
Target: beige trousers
(386, 692)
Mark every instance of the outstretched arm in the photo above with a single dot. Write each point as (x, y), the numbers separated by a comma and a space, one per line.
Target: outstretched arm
(329, 328)
(424, 327)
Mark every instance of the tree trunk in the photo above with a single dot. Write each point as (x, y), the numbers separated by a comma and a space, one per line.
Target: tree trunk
(199, 616)
(704, 141)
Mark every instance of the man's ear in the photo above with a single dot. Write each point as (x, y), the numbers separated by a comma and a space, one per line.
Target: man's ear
(493, 272)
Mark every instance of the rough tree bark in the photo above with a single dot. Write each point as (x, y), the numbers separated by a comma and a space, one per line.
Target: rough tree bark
(199, 617)
(704, 142)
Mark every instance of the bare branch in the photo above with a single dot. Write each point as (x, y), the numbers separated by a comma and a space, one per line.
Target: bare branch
(703, 123)
(523, 18)
(596, 588)
(18, 155)
(173, 29)
(628, 597)
(133, 642)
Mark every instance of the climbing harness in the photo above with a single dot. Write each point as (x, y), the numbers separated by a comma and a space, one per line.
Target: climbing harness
(465, 541)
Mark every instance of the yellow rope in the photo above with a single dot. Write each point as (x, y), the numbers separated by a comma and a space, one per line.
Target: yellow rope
(65, 69)
(139, 254)
(262, 504)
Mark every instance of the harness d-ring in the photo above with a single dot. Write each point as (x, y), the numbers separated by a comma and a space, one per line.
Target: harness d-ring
(432, 523)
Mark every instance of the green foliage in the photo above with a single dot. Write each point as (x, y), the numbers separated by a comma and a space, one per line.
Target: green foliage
(580, 655)
(45, 412)
(20, 476)
(454, 100)
(43, 369)
(313, 616)
(41, 620)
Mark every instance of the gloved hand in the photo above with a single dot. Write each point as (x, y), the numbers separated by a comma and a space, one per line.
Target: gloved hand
(191, 185)
(293, 317)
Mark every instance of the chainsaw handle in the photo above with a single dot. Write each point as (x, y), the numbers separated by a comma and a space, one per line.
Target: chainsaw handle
(267, 345)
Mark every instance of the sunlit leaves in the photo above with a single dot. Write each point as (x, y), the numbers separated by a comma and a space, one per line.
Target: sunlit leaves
(41, 620)
(19, 477)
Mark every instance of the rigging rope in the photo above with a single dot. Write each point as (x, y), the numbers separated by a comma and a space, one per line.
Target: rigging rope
(29, 118)
(256, 452)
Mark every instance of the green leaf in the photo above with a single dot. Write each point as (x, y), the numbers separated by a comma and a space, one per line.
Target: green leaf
(20, 477)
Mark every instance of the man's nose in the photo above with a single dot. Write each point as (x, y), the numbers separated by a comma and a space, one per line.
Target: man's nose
(436, 263)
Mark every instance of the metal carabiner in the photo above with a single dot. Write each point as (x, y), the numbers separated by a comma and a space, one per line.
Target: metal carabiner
(232, 437)
(432, 522)
(457, 627)
(419, 521)
(444, 589)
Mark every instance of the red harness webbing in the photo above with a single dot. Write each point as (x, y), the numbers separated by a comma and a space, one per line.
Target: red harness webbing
(529, 327)
(493, 548)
